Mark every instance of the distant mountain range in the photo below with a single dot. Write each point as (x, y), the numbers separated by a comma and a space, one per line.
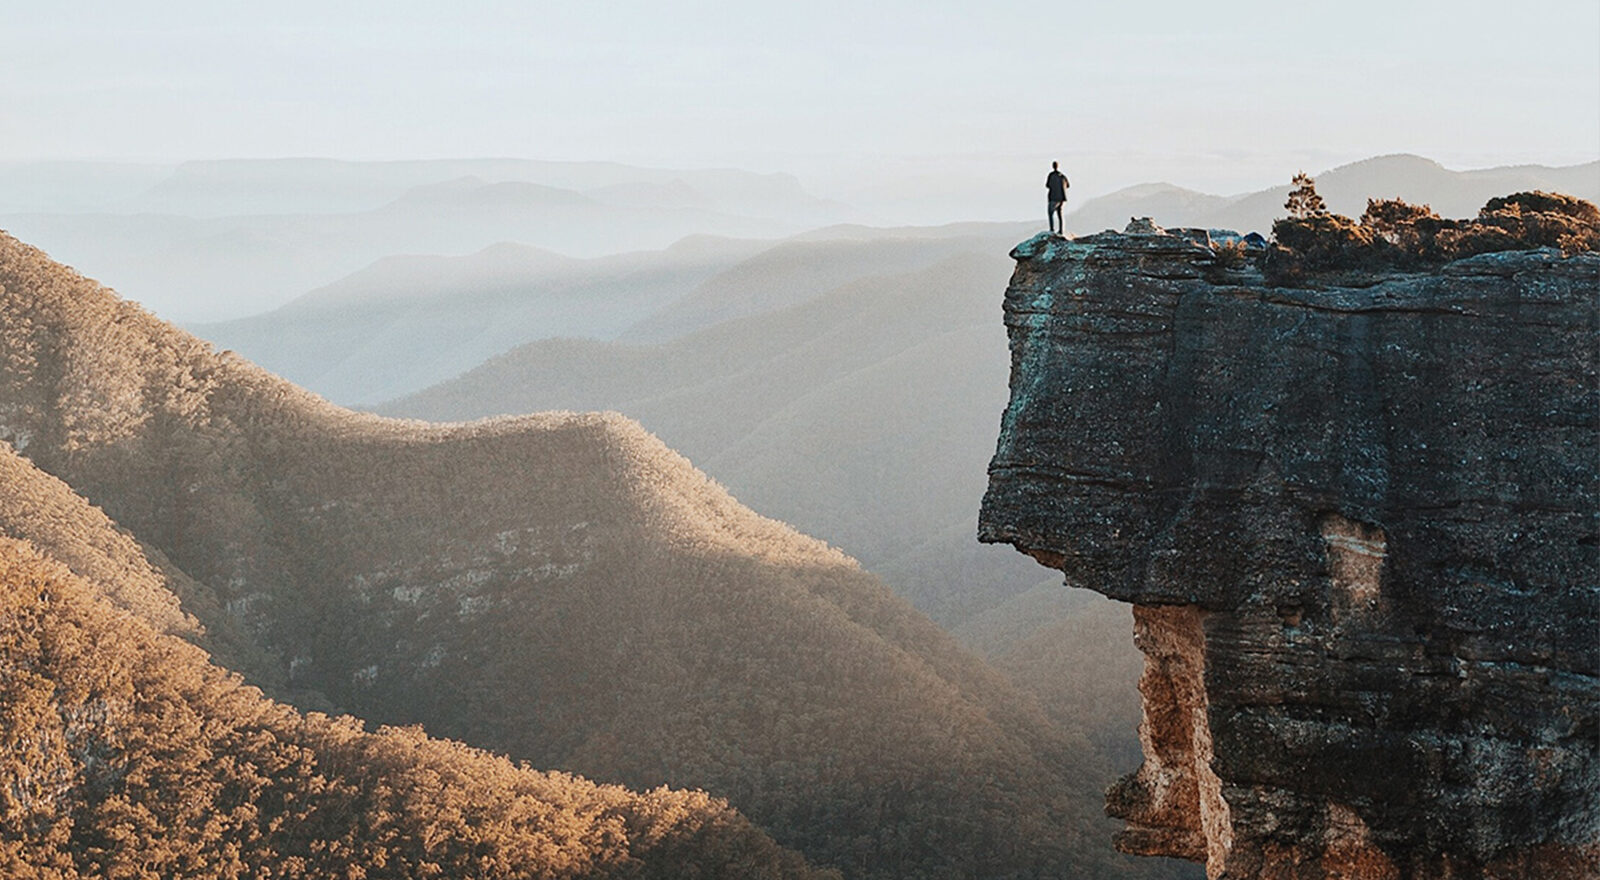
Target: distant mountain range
(1346, 190)
(561, 588)
(219, 240)
(404, 323)
(798, 270)
(864, 411)
(873, 356)
(256, 187)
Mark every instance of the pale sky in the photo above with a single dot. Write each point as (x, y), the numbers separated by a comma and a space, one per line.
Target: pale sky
(1215, 96)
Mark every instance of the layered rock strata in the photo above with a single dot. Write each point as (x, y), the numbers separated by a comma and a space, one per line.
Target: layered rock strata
(1358, 527)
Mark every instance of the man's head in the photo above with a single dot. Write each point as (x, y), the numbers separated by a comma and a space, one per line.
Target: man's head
(1056, 165)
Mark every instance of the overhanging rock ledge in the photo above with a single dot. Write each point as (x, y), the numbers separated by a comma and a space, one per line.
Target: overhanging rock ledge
(1358, 527)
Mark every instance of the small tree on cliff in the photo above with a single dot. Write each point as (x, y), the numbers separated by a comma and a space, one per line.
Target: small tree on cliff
(1313, 239)
(1303, 199)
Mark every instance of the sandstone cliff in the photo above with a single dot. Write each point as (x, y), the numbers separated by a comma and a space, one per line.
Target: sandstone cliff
(1358, 526)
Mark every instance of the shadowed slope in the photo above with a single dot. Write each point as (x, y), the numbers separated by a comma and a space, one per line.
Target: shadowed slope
(794, 272)
(863, 415)
(562, 587)
(136, 578)
(124, 753)
(406, 322)
(39, 508)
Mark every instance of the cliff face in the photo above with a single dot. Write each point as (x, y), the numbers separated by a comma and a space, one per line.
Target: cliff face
(1358, 527)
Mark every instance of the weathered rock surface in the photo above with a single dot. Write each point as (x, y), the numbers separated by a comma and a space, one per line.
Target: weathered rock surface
(1359, 530)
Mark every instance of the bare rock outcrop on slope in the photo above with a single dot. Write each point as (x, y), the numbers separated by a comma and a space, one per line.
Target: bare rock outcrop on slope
(1358, 527)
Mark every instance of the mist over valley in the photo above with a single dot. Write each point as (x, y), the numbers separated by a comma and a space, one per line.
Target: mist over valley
(662, 484)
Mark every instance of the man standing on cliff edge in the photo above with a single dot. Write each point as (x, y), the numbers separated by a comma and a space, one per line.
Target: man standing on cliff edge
(1057, 184)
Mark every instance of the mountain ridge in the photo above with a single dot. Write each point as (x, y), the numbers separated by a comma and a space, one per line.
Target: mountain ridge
(1345, 187)
(134, 755)
(547, 586)
(912, 360)
(405, 322)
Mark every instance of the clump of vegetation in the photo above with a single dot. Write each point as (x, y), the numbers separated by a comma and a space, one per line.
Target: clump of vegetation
(1397, 221)
(1320, 243)
(1227, 257)
(1230, 254)
(1395, 235)
(1538, 219)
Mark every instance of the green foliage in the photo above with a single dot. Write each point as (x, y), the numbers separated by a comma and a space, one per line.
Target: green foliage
(1394, 235)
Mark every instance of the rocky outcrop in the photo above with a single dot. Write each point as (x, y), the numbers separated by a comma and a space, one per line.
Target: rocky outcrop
(1358, 527)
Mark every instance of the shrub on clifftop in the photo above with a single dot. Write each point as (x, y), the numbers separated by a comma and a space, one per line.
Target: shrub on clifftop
(1533, 219)
(1395, 235)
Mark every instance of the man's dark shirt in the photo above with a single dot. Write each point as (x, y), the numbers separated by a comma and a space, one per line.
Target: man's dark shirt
(1058, 186)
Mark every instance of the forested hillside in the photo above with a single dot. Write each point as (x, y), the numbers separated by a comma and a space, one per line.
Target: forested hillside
(864, 414)
(559, 587)
(124, 753)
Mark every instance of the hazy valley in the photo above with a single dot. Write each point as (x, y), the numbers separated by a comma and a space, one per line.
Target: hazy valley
(663, 497)
(560, 588)
(215, 240)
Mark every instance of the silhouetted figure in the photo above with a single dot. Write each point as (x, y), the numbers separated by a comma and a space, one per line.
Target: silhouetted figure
(1057, 184)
